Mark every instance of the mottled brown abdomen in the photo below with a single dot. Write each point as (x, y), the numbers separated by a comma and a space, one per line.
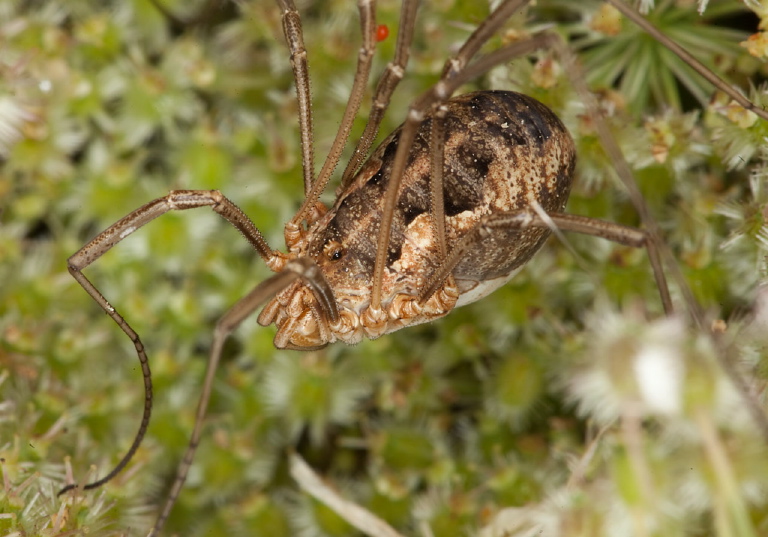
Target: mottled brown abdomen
(502, 150)
(533, 160)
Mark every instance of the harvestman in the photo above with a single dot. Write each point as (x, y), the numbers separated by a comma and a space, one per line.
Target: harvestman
(488, 172)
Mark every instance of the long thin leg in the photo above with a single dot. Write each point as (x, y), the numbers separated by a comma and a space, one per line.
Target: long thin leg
(482, 33)
(437, 198)
(295, 38)
(146, 373)
(700, 68)
(452, 67)
(624, 172)
(300, 268)
(611, 231)
(175, 200)
(658, 249)
(659, 252)
(384, 89)
(367, 10)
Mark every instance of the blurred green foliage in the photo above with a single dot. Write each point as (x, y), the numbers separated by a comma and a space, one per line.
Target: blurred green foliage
(563, 404)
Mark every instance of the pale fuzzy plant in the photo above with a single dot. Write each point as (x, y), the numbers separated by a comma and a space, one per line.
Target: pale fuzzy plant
(423, 432)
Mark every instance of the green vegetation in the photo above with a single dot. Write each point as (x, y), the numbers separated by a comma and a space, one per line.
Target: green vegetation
(564, 404)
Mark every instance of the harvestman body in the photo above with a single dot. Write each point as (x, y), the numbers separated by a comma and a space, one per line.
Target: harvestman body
(505, 152)
(445, 211)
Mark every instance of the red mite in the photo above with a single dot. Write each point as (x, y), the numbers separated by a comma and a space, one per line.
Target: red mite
(382, 32)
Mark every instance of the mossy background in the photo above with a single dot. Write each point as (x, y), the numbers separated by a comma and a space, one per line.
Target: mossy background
(530, 409)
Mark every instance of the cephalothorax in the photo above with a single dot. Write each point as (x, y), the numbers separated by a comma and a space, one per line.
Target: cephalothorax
(505, 152)
(446, 210)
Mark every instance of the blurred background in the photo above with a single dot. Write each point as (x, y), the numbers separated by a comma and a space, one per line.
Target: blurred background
(563, 404)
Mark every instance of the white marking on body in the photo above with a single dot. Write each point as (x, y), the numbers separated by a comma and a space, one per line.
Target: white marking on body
(484, 288)
(127, 231)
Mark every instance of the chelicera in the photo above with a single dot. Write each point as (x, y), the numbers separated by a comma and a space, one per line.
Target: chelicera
(446, 210)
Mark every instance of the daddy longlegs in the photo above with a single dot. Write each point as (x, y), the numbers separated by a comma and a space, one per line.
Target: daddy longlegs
(458, 222)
